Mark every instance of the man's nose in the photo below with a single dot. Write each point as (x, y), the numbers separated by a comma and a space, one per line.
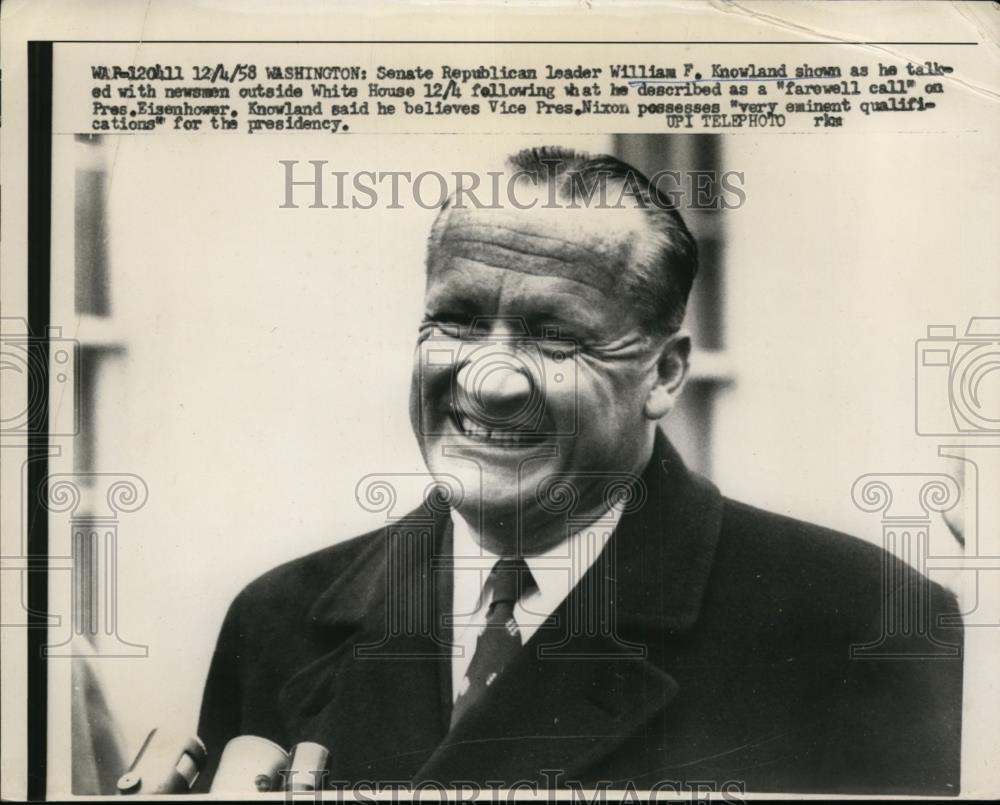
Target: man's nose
(495, 387)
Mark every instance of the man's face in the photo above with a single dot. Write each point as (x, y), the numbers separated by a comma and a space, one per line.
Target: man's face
(530, 361)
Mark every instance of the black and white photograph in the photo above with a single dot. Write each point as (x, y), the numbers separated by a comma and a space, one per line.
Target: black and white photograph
(490, 409)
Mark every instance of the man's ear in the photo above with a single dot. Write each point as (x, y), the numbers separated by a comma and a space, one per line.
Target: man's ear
(671, 372)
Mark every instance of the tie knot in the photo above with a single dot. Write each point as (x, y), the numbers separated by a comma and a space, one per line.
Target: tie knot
(510, 580)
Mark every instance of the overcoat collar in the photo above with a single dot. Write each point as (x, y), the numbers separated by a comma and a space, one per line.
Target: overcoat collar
(574, 694)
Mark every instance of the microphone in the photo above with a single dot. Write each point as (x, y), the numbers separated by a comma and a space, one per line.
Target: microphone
(307, 768)
(164, 765)
(249, 763)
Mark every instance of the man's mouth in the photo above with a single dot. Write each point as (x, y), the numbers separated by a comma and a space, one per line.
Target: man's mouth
(495, 436)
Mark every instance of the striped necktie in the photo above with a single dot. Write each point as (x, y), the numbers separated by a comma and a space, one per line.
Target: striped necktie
(500, 637)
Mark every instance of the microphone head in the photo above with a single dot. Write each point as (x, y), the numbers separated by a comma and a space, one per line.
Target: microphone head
(249, 763)
(165, 764)
(307, 768)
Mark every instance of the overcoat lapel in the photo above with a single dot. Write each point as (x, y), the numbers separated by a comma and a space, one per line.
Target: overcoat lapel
(374, 697)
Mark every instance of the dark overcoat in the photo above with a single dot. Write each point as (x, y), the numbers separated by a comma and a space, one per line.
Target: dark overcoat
(711, 643)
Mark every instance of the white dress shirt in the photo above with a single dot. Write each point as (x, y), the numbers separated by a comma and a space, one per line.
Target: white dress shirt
(556, 572)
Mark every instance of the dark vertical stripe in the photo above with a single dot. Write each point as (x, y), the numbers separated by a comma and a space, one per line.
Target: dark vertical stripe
(39, 281)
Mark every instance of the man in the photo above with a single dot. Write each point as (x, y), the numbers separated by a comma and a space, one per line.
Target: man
(571, 605)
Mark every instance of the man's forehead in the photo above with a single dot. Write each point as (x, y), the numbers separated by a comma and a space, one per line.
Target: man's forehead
(591, 246)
